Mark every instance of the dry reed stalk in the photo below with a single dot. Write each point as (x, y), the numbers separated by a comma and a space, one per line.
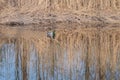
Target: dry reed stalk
(63, 5)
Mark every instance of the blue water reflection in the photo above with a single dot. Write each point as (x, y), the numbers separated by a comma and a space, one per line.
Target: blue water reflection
(7, 63)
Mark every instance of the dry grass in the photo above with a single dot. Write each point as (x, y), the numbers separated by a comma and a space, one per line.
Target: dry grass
(35, 11)
(64, 4)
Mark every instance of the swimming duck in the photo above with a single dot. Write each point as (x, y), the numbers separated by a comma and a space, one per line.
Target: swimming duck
(51, 34)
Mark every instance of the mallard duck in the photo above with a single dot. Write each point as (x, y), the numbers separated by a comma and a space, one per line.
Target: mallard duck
(51, 34)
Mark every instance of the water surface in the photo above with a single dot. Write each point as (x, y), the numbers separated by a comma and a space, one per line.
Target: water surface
(26, 53)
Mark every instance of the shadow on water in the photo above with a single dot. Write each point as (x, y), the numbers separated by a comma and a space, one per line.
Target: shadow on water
(74, 54)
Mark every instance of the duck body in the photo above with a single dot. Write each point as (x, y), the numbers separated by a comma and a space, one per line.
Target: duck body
(51, 34)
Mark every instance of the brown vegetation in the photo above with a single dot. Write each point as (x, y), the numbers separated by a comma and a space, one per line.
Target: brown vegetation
(37, 11)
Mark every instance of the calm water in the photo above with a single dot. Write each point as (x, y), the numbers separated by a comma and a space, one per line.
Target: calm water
(84, 54)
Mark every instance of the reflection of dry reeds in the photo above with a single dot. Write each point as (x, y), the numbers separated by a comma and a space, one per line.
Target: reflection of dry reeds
(93, 50)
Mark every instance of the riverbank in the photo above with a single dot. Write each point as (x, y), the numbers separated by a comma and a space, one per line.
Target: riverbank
(52, 18)
(23, 12)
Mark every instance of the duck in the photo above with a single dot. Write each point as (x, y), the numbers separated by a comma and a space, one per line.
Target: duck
(51, 34)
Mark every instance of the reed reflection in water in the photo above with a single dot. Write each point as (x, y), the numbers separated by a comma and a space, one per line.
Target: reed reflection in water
(77, 54)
